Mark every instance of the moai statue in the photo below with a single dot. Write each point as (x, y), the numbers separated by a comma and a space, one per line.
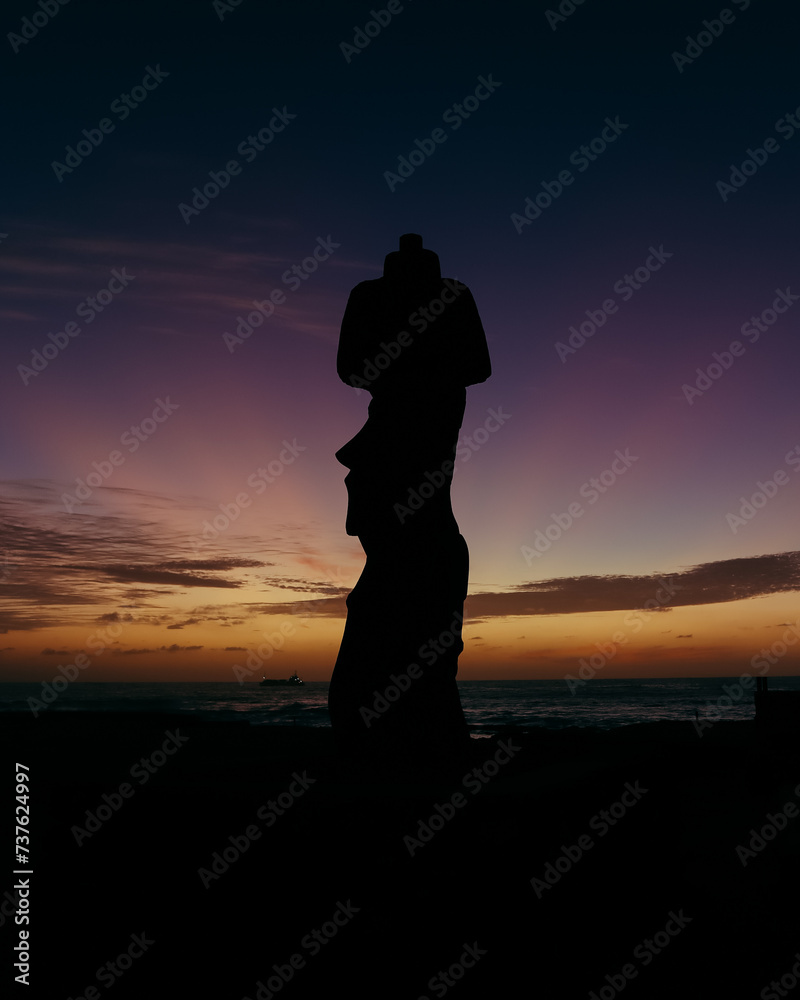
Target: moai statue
(414, 341)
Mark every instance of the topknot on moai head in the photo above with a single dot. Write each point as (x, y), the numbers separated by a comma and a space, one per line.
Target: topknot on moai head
(412, 262)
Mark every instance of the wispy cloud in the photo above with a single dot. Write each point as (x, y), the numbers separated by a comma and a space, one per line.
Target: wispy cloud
(709, 583)
(81, 568)
(192, 287)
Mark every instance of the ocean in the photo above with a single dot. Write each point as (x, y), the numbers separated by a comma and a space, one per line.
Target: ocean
(488, 705)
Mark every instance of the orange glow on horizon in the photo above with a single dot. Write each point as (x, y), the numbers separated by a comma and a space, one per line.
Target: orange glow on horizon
(697, 641)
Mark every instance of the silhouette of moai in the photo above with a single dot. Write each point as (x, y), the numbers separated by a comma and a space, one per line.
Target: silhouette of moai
(415, 341)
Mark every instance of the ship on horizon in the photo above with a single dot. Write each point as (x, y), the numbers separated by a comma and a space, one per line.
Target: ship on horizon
(293, 681)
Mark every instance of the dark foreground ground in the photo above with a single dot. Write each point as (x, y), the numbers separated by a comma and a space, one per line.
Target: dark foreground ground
(319, 892)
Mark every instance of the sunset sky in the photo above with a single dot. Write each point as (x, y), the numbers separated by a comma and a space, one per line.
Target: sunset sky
(614, 469)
